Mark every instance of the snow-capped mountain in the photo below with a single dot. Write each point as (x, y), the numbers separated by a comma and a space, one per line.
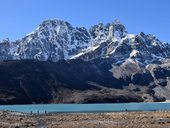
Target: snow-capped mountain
(105, 64)
(113, 41)
(52, 40)
(56, 39)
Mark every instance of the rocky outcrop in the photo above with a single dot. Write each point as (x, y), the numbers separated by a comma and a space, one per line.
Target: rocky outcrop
(78, 81)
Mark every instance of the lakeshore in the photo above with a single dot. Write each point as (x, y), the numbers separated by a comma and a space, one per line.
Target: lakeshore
(147, 119)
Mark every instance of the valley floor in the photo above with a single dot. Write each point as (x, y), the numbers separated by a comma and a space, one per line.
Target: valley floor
(154, 119)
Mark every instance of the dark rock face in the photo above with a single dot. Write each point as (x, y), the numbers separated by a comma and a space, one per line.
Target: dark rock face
(116, 99)
(75, 81)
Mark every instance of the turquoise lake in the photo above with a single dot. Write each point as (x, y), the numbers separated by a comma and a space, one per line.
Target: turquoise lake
(87, 107)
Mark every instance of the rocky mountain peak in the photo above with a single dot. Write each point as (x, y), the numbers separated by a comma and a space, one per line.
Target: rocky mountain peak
(57, 39)
(113, 29)
(51, 28)
(5, 40)
(119, 26)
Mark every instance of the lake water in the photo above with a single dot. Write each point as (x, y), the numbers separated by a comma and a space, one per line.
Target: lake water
(87, 107)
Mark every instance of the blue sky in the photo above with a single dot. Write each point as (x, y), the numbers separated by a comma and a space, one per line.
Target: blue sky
(19, 17)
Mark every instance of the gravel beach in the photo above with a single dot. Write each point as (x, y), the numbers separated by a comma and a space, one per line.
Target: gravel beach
(153, 119)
